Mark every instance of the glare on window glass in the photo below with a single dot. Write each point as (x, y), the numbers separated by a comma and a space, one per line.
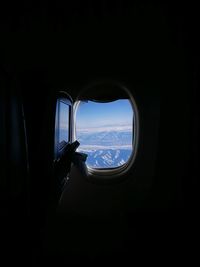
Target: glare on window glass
(105, 132)
(63, 122)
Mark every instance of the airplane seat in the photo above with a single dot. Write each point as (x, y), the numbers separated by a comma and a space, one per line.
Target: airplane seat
(78, 223)
(14, 145)
(14, 172)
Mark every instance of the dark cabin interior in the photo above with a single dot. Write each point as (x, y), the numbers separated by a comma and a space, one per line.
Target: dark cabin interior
(151, 213)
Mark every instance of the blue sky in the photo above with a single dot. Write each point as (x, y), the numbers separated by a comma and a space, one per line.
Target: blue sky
(97, 115)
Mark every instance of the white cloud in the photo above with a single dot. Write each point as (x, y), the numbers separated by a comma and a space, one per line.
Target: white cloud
(118, 128)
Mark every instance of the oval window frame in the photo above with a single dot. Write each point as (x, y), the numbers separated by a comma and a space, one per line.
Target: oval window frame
(111, 173)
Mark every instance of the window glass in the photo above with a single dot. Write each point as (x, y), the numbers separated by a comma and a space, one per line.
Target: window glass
(105, 132)
(63, 122)
(61, 126)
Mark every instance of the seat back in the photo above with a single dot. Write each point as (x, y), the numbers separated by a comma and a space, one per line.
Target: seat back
(14, 178)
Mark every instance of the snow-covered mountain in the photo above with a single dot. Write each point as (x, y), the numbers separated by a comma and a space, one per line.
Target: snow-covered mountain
(107, 158)
(106, 149)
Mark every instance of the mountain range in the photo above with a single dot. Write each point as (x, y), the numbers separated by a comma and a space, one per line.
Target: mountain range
(106, 149)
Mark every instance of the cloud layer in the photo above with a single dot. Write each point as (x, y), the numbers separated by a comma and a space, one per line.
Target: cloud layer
(118, 128)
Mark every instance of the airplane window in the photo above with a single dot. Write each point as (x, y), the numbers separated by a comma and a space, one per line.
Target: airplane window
(62, 125)
(105, 131)
(63, 122)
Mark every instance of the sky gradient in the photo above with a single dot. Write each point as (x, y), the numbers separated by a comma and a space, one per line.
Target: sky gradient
(92, 115)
